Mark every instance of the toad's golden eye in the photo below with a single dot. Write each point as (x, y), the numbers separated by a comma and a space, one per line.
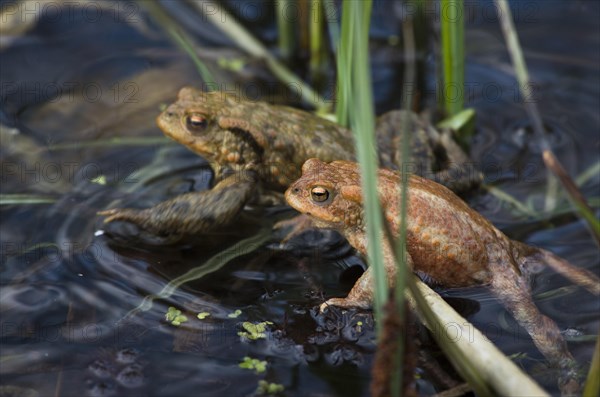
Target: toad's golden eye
(319, 194)
(195, 122)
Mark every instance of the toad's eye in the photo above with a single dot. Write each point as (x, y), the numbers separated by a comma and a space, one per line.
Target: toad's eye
(319, 194)
(195, 122)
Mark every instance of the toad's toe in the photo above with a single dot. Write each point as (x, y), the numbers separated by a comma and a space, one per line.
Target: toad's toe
(345, 303)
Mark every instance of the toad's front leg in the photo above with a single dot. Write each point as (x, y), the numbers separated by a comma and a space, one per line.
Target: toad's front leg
(191, 213)
(361, 294)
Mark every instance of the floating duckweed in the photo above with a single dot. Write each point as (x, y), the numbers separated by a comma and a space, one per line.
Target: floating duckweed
(255, 364)
(175, 317)
(235, 314)
(171, 313)
(235, 65)
(203, 315)
(254, 331)
(100, 180)
(266, 388)
(178, 320)
(359, 325)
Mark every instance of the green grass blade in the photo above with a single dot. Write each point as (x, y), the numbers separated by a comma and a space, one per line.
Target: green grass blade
(503, 196)
(232, 28)
(453, 55)
(592, 383)
(344, 67)
(333, 27)
(215, 263)
(181, 39)
(405, 131)
(112, 142)
(400, 243)
(588, 174)
(362, 121)
(23, 199)
(285, 28)
(185, 43)
(318, 57)
(459, 120)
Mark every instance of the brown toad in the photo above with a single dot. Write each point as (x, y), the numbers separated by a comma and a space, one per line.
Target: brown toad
(447, 243)
(256, 149)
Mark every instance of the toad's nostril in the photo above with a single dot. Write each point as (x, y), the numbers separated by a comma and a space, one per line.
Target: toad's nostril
(296, 190)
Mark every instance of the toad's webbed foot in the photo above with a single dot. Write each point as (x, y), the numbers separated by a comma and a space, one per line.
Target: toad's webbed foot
(191, 213)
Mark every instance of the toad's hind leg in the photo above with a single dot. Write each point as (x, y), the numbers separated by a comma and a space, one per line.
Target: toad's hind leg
(513, 291)
(460, 173)
(428, 147)
(191, 213)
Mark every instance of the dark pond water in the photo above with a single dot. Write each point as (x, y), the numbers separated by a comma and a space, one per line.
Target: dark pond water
(79, 76)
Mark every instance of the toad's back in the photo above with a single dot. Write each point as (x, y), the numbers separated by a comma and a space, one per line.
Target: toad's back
(448, 241)
(291, 136)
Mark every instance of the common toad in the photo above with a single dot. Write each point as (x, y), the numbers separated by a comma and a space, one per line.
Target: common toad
(447, 243)
(260, 147)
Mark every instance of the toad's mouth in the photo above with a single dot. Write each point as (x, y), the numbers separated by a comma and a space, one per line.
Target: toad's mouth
(194, 144)
(294, 199)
